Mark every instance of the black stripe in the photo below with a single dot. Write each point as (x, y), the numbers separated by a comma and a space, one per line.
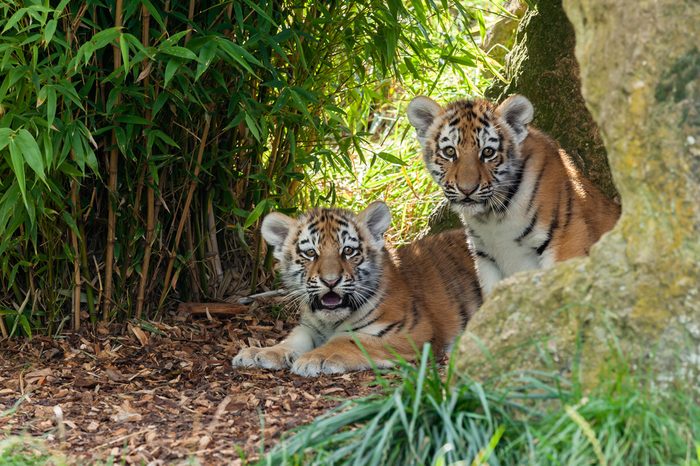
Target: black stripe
(463, 314)
(569, 204)
(528, 229)
(444, 138)
(360, 327)
(455, 121)
(513, 188)
(552, 226)
(484, 255)
(388, 328)
(416, 315)
(537, 186)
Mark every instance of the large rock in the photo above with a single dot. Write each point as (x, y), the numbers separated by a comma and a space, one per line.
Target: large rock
(638, 293)
(542, 66)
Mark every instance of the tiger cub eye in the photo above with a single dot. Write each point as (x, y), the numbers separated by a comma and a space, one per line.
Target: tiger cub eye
(487, 152)
(449, 152)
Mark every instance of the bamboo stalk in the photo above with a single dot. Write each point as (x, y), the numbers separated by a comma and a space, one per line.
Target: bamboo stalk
(112, 186)
(191, 263)
(190, 17)
(74, 196)
(214, 245)
(185, 210)
(3, 329)
(76, 258)
(150, 195)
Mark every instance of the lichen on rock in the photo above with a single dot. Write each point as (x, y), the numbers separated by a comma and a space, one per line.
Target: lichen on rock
(638, 293)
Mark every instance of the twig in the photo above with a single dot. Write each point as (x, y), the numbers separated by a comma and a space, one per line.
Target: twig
(265, 294)
(212, 308)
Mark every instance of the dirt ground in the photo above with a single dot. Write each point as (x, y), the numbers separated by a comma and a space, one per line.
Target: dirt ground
(160, 393)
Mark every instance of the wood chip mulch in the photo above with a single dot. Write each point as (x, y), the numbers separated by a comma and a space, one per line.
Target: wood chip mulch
(160, 393)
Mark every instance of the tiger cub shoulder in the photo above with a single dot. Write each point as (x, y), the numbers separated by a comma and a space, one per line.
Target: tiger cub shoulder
(356, 298)
(523, 202)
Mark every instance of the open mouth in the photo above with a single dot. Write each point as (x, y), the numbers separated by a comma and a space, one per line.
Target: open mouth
(331, 300)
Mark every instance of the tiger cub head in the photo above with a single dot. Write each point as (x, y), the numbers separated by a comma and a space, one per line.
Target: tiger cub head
(472, 149)
(330, 260)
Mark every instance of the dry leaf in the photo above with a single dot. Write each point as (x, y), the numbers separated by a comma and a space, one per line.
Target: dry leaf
(140, 334)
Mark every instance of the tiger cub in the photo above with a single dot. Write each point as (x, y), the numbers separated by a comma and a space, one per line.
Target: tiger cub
(523, 202)
(352, 290)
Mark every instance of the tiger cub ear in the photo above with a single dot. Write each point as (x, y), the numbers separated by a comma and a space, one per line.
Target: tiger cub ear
(377, 218)
(421, 113)
(275, 228)
(517, 112)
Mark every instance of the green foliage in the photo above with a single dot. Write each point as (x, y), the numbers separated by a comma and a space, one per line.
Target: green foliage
(19, 451)
(291, 90)
(525, 418)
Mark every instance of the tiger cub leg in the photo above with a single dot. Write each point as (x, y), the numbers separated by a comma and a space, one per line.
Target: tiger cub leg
(488, 272)
(278, 356)
(342, 354)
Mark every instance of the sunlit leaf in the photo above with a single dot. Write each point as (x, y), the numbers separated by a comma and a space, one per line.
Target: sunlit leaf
(255, 214)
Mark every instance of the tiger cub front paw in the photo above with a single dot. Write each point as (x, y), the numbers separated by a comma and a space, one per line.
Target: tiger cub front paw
(313, 364)
(274, 357)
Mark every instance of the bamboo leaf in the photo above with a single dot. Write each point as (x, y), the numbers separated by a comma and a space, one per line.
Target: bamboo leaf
(50, 105)
(18, 169)
(70, 221)
(256, 213)
(14, 19)
(170, 70)
(4, 137)
(391, 158)
(252, 126)
(180, 52)
(124, 48)
(26, 144)
(154, 13)
(49, 30)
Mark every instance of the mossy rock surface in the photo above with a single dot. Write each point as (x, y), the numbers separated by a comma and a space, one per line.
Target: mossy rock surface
(542, 66)
(637, 296)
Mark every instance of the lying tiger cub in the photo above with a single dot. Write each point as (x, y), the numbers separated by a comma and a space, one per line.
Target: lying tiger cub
(522, 200)
(350, 288)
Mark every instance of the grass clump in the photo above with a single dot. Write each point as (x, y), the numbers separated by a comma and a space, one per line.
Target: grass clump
(21, 451)
(437, 417)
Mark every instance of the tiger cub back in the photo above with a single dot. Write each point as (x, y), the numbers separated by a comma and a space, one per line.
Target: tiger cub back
(355, 296)
(523, 202)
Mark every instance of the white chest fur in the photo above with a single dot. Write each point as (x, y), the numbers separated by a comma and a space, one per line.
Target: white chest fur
(508, 243)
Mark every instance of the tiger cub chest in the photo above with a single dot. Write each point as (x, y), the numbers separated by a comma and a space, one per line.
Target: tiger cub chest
(506, 245)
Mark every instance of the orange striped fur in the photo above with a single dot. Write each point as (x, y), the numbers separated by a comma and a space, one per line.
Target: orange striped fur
(523, 202)
(357, 296)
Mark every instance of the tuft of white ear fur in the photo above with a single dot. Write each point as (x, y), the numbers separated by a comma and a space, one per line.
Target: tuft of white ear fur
(517, 112)
(421, 113)
(275, 228)
(377, 218)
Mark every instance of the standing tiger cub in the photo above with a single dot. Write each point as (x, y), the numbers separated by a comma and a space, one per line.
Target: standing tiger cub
(352, 290)
(523, 202)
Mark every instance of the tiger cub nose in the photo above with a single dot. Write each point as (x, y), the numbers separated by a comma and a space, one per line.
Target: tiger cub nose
(467, 191)
(330, 282)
